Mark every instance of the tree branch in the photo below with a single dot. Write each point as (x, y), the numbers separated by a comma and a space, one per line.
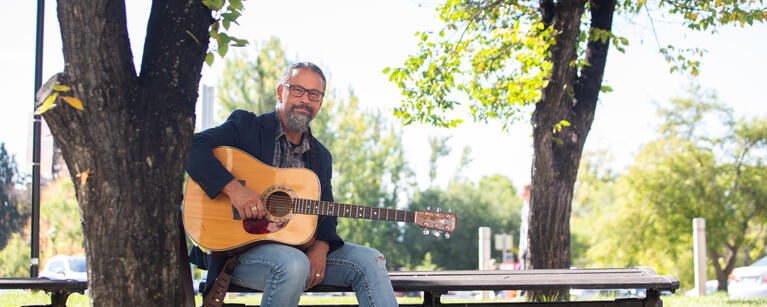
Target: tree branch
(547, 11)
(589, 84)
(177, 33)
(96, 32)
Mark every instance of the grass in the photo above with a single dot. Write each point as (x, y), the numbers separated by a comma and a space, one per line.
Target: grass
(714, 300)
(18, 298)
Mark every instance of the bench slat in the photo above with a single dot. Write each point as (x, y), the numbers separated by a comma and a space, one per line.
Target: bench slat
(43, 284)
(443, 281)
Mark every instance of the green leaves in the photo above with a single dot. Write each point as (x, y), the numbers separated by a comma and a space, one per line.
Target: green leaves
(604, 36)
(249, 79)
(214, 5)
(223, 18)
(488, 61)
(710, 14)
(236, 5)
(683, 60)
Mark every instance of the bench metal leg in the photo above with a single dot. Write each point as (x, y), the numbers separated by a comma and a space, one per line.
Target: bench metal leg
(652, 299)
(59, 298)
(432, 298)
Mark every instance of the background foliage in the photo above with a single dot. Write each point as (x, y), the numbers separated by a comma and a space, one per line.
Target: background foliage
(60, 231)
(13, 211)
(704, 164)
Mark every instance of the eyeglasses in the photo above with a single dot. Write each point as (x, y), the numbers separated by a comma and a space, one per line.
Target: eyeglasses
(298, 91)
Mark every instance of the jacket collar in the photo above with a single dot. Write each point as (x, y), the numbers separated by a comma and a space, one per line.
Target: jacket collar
(268, 131)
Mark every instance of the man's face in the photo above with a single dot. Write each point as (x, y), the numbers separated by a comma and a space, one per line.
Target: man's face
(298, 110)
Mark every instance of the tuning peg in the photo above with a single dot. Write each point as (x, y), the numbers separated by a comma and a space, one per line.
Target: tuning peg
(447, 236)
(436, 233)
(425, 232)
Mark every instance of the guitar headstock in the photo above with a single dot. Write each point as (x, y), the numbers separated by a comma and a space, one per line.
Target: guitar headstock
(441, 221)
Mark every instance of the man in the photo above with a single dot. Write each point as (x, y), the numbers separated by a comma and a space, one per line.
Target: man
(283, 139)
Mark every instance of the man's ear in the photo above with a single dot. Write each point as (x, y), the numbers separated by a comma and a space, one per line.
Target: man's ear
(279, 93)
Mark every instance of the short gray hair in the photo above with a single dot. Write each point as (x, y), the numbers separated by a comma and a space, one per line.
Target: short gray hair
(307, 65)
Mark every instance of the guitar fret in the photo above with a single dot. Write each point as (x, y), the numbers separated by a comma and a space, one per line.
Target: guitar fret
(318, 207)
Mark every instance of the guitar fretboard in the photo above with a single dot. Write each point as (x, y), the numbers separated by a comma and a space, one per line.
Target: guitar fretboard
(307, 206)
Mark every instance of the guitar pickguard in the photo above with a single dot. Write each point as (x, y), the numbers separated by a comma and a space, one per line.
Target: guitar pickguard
(262, 226)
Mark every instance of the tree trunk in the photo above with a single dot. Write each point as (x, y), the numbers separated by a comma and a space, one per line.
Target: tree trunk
(125, 151)
(557, 153)
(723, 273)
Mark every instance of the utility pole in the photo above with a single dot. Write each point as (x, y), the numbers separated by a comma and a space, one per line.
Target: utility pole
(34, 259)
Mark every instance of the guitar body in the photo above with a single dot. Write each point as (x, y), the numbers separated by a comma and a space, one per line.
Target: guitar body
(215, 225)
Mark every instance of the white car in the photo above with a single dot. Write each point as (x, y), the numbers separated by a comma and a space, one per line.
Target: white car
(711, 286)
(65, 267)
(749, 281)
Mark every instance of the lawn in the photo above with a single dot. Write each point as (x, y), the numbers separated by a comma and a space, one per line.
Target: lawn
(18, 298)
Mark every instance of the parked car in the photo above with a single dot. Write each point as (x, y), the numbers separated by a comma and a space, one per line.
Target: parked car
(749, 281)
(711, 286)
(65, 267)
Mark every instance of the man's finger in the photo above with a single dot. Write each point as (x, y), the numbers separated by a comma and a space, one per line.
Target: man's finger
(261, 210)
(253, 211)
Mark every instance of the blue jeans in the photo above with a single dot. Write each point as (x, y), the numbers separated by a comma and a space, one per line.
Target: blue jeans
(282, 272)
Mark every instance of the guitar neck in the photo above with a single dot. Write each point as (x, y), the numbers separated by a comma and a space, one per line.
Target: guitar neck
(316, 207)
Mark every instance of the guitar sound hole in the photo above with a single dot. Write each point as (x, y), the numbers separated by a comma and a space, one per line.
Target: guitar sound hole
(279, 204)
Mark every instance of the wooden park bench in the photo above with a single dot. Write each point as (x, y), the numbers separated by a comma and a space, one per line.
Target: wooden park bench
(59, 289)
(435, 284)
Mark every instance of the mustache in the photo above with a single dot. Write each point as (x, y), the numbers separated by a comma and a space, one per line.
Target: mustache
(305, 107)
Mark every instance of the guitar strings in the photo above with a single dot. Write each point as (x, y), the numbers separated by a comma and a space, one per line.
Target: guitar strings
(282, 202)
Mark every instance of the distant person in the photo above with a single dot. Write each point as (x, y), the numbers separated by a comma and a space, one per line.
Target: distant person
(283, 139)
(525, 214)
(514, 262)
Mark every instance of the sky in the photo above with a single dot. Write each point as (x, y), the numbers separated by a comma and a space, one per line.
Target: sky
(355, 40)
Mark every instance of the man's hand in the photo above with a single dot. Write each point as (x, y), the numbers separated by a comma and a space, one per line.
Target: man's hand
(246, 201)
(317, 254)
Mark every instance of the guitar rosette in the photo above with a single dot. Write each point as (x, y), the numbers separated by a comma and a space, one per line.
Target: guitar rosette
(278, 200)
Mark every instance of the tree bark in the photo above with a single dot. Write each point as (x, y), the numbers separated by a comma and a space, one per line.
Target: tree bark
(557, 154)
(125, 151)
(723, 273)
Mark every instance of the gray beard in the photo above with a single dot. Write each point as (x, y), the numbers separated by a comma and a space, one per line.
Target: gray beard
(297, 122)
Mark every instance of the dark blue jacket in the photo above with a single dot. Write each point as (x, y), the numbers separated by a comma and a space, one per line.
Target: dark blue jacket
(255, 135)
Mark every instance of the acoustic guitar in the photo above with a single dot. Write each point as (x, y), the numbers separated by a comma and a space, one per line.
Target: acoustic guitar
(291, 197)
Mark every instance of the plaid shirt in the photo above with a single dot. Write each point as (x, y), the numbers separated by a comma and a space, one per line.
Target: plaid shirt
(285, 153)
